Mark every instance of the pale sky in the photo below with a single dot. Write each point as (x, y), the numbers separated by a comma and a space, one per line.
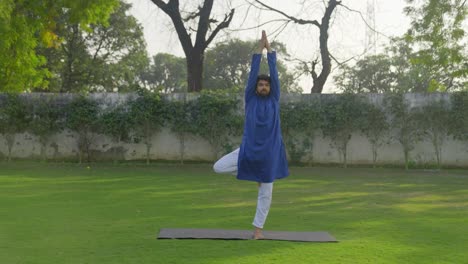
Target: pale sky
(347, 34)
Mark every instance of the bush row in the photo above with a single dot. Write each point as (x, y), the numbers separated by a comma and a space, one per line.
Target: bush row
(218, 119)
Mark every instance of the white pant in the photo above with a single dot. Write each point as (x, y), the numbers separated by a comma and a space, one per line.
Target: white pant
(228, 164)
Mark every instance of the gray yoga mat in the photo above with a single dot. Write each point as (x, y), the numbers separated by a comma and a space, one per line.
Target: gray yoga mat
(184, 233)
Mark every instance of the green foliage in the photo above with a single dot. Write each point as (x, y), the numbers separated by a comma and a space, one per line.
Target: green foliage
(116, 123)
(438, 34)
(14, 118)
(181, 121)
(408, 76)
(299, 123)
(404, 121)
(167, 74)
(459, 116)
(20, 66)
(83, 118)
(97, 58)
(25, 25)
(375, 126)
(148, 113)
(340, 118)
(434, 123)
(373, 74)
(216, 119)
(47, 120)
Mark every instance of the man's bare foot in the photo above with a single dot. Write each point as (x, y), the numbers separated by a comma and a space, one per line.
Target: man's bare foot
(258, 234)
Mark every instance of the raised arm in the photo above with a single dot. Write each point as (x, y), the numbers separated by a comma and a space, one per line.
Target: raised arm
(254, 69)
(275, 85)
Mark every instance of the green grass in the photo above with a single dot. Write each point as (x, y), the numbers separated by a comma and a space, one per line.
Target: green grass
(67, 213)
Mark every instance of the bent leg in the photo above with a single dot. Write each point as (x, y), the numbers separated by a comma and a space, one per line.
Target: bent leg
(228, 163)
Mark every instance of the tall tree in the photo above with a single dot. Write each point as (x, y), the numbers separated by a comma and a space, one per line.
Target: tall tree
(372, 74)
(194, 51)
(408, 77)
(100, 58)
(26, 24)
(438, 34)
(167, 73)
(319, 79)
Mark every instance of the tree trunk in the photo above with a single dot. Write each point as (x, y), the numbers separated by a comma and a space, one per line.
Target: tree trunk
(194, 51)
(80, 154)
(320, 80)
(195, 71)
(182, 147)
(406, 153)
(44, 149)
(148, 147)
(68, 71)
(115, 150)
(345, 156)
(374, 155)
(10, 138)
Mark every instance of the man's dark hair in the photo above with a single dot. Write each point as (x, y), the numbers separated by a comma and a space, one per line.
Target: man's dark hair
(263, 77)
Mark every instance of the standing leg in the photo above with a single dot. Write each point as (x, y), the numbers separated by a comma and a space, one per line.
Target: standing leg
(228, 163)
(265, 191)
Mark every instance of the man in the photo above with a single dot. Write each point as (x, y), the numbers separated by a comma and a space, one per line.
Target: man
(261, 156)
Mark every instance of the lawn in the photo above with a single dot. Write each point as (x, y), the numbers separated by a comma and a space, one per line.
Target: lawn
(68, 213)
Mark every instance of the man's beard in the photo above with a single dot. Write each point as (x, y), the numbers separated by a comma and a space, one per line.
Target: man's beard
(263, 93)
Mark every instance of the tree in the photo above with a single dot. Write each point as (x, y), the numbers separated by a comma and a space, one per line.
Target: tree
(83, 117)
(227, 66)
(194, 52)
(458, 117)
(47, 119)
(167, 73)
(340, 119)
(26, 24)
(299, 123)
(372, 74)
(375, 126)
(100, 58)
(215, 119)
(116, 123)
(181, 121)
(319, 79)
(119, 50)
(14, 119)
(438, 34)
(408, 77)
(435, 123)
(404, 121)
(148, 115)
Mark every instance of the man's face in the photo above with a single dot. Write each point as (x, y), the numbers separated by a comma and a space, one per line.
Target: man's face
(263, 88)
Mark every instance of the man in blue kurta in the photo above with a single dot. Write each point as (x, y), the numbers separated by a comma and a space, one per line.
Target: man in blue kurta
(261, 156)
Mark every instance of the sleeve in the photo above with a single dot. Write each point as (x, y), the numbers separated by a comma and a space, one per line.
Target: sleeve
(275, 85)
(251, 83)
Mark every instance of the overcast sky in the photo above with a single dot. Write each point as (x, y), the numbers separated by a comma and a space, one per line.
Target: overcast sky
(347, 33)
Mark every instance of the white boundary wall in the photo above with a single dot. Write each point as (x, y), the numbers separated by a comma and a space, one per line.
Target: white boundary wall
(166, 146)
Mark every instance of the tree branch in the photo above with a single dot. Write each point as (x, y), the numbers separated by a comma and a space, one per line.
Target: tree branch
(295, 20)
(203, 23)
(227, 20)
(363, 19)
(159, 3)
(172, 10)
(254, 27)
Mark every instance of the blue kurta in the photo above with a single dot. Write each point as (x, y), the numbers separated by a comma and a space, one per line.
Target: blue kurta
(262, 157)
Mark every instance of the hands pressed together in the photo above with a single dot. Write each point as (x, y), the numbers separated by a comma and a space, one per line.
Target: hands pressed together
(263, 43)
